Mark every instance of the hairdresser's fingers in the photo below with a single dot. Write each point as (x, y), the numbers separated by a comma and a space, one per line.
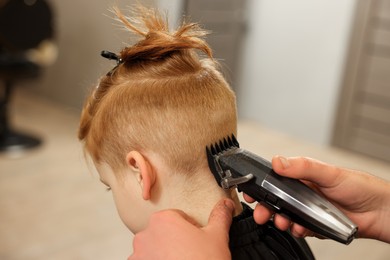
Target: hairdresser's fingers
(308, 169)
(281, 222)
(220, 219)
(182, 215)
(248, 198)
(261, 214)
(300, 231)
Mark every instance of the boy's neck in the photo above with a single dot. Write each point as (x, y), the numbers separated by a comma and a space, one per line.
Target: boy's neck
(198, 198)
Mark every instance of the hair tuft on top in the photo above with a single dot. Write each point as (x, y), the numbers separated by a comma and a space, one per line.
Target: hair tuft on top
(158, 41)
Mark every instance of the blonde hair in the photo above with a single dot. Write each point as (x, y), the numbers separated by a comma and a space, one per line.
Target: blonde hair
(162, 97)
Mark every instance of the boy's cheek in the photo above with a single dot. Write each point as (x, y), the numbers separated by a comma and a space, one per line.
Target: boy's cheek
(132, 214)
(136, 222)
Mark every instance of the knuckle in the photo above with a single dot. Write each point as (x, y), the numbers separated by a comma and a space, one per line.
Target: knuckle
(306, 163)
(335, 170)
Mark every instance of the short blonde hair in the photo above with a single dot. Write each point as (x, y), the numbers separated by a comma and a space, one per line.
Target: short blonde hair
(162, 97)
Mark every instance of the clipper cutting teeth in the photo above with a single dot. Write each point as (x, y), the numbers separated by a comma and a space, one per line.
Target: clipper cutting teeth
(214, 150)
(224, 145)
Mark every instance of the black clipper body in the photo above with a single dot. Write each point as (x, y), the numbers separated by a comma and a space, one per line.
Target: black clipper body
(233, 166)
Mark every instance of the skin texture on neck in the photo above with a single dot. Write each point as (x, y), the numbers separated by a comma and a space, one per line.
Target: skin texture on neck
(198, 196)
(195, 194)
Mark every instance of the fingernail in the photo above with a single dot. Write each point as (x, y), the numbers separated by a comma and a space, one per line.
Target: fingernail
(284, 161)
(229, 204)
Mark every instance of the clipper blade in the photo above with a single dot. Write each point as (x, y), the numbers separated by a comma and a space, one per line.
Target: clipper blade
(224, 145)
(216, 150)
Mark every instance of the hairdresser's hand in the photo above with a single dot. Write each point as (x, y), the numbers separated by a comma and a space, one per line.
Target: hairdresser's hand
(364, 198)
(171, 234)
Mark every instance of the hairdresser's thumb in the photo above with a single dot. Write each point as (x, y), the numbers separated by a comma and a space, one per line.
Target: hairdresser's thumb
(220, 218)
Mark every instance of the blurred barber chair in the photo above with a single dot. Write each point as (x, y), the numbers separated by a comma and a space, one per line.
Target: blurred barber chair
(26, 47)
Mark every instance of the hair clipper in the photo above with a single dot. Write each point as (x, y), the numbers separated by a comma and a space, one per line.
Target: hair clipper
(253, 175)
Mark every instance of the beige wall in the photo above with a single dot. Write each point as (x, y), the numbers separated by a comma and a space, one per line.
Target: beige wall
(293, 62)
(84, 28)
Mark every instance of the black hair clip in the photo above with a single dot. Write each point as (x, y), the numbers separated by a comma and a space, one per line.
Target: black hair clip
(111, 56)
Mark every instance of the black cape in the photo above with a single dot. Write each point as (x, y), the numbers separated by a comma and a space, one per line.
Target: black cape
(249, 240)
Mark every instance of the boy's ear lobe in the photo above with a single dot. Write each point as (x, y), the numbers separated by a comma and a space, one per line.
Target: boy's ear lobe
(144, 171)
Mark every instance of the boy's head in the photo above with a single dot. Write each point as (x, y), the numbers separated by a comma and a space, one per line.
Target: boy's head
(162, 99)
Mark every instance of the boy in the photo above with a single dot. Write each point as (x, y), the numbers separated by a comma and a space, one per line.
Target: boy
(146, 126)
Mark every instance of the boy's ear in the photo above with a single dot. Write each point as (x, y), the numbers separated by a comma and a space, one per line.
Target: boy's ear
(144, 171)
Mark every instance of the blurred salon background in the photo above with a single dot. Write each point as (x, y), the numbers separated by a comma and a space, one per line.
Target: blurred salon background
(312, 78)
